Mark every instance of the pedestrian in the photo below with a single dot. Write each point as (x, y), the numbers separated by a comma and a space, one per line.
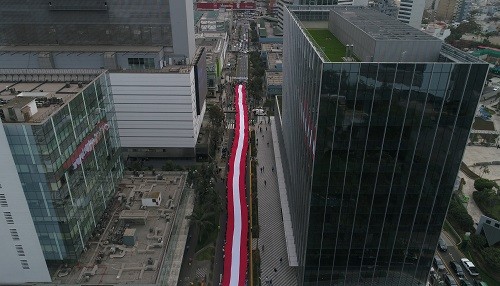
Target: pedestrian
(260, 129)
(266, 128)
(281, 260)
(262, 248)
(265, 183)
(263, 168)
(267, 144)
(272, 169)
(275, 270)
(262, 135)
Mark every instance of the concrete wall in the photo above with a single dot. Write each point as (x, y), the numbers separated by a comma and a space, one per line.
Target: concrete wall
(411, 11)
(156, 110)
(13, 201)
(345, 32)
(368, 49)
(72, 60)
(182, 23)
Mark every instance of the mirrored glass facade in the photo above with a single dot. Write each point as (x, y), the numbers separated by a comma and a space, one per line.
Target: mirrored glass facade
(68, 166)
(373, 151)
(85, 22)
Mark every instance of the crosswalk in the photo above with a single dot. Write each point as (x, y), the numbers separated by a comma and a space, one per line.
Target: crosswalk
(230, 125)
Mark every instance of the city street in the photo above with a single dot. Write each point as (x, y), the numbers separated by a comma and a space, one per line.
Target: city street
(452, 254)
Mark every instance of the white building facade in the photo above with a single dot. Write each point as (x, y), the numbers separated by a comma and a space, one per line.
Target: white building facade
(411, 11)
(22, 259)
(157, 112)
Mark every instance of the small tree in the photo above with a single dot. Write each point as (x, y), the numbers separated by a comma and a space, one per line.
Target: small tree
(478, 241)
(482, 184)
(492, 256)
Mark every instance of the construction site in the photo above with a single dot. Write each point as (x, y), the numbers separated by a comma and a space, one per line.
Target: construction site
(131, 239)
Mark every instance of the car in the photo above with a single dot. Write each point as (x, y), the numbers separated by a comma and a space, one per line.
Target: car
(449, 280)
(469, 266)
(457, 268)
(442, 245)
(438, 264)
(495, 88)
(465, 283)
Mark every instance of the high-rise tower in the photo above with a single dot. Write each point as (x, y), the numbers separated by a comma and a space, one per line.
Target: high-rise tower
(375, 118)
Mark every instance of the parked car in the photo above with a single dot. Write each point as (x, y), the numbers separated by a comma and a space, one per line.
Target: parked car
(442, 245)
(449, 280)
(438, 264)
(457, 268)
(469, 266)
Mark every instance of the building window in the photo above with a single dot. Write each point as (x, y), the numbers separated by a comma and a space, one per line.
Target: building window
(20, 250)
(14, 234)
(488, 221)
(3, 201)
(24, 264)
(141, 63)
(8, 217)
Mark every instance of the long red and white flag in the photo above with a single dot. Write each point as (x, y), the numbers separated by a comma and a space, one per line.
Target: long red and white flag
(236, 252)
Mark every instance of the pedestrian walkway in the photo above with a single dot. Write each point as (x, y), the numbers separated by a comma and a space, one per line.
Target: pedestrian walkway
(275, 267)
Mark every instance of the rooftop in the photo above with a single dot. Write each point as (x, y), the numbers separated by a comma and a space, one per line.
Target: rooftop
(367, 35)
(52, 89)
(378, 25)
(272, 47)
(324, 40)
(156, 238)
(274, 59)
(274, 78)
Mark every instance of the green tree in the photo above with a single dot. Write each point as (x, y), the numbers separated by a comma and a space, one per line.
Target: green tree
(478, 241)
(492, 257)
(483, 184)
(459, 217)
(216, 115)
(201, 219)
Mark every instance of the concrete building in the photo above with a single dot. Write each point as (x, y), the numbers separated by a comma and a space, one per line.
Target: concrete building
(453, 10)
(215, 45)
(372, 144)
(22, 258)
(62, 133)
(490, 228)
(283, 3)
(411, 12)
(214, 21)
(274, 82)
(388, 7)
(160, 112)
(132, 45)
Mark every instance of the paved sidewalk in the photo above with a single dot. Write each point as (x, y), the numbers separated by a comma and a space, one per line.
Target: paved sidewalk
(272, 245)
(467, 190)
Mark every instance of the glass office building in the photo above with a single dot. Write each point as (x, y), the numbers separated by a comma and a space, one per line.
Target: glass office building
(373, 147)
(61, 129)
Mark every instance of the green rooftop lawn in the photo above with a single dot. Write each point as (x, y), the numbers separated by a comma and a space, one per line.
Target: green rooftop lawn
(328, 43)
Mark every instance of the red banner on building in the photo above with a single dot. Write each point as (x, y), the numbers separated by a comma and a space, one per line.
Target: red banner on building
(225, 5)
(88, 144)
